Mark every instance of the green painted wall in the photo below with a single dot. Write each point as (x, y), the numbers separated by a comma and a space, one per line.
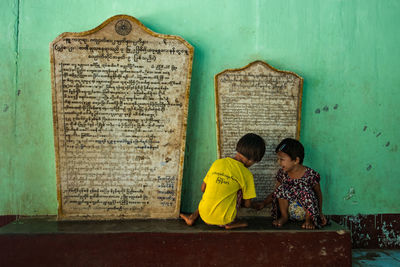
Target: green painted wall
(347, 51)
(8, 61)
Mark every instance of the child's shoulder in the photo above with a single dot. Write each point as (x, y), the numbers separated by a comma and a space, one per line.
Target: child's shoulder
(222, 163)
(232, 165)
(225, 160)
(311, 171)
(312, 175)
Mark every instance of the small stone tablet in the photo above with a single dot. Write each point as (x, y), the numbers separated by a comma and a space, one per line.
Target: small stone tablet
(258, 99)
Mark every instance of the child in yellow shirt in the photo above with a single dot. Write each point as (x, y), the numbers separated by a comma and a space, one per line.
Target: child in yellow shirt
(227, 181)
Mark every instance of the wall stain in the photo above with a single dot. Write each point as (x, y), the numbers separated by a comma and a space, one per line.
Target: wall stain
(5, 108)
(18, 92)
(323, 252)
(326, 108)
(377, 134)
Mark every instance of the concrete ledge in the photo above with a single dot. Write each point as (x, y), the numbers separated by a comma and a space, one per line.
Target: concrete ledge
(46, 242)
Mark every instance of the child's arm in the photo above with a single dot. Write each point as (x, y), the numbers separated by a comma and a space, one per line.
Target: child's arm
(266, 201)
(318, 192)
(261, 204)
(203, 187)
(247, 203)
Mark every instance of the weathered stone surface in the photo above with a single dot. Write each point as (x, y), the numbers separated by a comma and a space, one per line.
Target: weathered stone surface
(120, 100)
(263, 100)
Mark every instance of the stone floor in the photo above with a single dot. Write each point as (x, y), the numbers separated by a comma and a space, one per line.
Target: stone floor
(50, 224)
(378, 257)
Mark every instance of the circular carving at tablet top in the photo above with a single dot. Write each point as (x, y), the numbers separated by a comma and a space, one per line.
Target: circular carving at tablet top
(123, 27)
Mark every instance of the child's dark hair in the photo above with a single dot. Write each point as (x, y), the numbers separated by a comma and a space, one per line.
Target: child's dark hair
(252, 146)
(292, 147)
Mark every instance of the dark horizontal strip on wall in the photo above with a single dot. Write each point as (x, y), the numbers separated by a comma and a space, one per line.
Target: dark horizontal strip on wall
(6, 219)
(372, 231)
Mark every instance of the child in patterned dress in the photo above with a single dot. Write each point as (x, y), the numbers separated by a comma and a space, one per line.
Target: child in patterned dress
(295, 183)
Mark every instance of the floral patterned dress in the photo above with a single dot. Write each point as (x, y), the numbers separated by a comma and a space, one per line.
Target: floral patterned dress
(298, 190)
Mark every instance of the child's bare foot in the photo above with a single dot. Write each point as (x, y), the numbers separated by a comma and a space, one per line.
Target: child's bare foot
(188, 219)
(308, 224)
(236, 224)
(280, 222)
(324, 221)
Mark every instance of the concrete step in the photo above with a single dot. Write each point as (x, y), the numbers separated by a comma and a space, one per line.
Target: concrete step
(48, 242)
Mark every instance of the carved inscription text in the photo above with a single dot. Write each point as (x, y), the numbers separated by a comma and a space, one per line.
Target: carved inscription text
(120, 96)
(261, 100)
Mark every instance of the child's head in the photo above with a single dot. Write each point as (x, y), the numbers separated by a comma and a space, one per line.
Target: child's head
(252, 146)
(293, 148)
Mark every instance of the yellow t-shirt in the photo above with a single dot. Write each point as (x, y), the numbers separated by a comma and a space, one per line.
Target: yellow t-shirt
(223, 181)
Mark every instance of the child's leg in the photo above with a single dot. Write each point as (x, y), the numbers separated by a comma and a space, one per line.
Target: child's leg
(236, 224)
(308, 224)
(239, 199)
(283, 208)
(190, 219)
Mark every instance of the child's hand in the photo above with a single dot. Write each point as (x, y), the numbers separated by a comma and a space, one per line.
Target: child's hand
(258, 205)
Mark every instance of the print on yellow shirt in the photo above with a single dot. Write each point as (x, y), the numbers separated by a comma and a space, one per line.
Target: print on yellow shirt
(224, 179)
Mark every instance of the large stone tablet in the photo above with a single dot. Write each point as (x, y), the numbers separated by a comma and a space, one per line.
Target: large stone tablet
(120, 100)
(258, 99)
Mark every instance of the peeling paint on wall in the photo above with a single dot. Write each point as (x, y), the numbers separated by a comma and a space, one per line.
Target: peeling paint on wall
(389, 236)
(350, 194)
(372, 231)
